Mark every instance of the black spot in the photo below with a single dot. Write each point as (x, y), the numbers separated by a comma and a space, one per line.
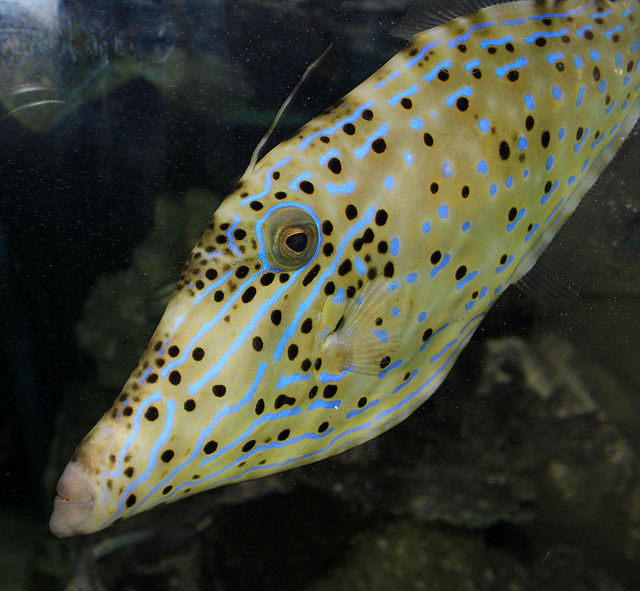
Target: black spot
(174, 377)
(157, 346)
(350, 211)
(131, 500)
(371, 273)
(385, 361)
(221, 239)
(426, 335)
(292, 351)
(465, 192)
(317, 364)
(306, 187)
(242, 271)
(305, 365)
(151, 414)
(329, 288)
(547, 186)
(152, 378)
(513, 75)
(462, 103)
(443, 75)
(335, 166)
(428, 139)
(565, 39)
(379, 145)
(351, 291)
(579, 133)
(283, 399)
(382, 247)
(267, 278)
(389, 269)
(367, 115)
(504, 150)
(476, 73)
(280, 195)
(190, 405)
(259, 407)
(329, 391)
(368, 236)
(513, 212)
(462, 48)
(167, 489)
(248, 294)
(211, 274)
(545, 138)
(257, 344)
(324, 139)
(167, 456)
(306, 326)
(218, 296)
(127, 411)
(540, 41)
(219, 390)
(436, 255)
(588, 35)
(509, 47)
(492, 50)
(311, 275)
(128, 472)
(256, 205)
(327, 228)
(210, 447)
(313, 391)
(503, 259)
(629, 66)
(528, 123)
(249, 445)
(596, 73)
(327, 249)
(284, 434)
(560, 66)
(381, 217)
(433, 188)
(461, 271)
(275, 175)
(349, 128)
(276, 317)
(173, 351)
(406, 103)
(199, 284)
(345, 267)
(362, 402)
(323, 427)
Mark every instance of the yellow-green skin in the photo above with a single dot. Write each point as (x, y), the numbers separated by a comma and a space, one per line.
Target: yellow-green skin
(419, 198)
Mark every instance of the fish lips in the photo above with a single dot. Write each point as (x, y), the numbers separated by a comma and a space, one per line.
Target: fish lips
(74, 503)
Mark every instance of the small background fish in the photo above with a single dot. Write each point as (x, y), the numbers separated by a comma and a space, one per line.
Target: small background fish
(465, 460)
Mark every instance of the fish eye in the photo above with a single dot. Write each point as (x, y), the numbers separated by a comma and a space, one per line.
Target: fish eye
(293, 238)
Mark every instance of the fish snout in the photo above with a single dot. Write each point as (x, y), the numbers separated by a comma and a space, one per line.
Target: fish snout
(74, 502)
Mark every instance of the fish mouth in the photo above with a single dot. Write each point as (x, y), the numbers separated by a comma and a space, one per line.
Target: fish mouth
(74, 503)
(38, 107)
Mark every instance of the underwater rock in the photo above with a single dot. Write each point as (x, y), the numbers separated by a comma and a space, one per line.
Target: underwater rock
(123, 309)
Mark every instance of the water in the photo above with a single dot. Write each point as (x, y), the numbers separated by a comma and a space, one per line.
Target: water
(521, 470)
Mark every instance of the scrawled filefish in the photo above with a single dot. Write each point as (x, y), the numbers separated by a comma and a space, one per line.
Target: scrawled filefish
(334, 289)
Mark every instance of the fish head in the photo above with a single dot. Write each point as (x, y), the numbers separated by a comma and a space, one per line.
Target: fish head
(271, 348)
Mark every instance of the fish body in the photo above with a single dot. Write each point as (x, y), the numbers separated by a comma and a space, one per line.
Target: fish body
(334, 289)
(55, 56)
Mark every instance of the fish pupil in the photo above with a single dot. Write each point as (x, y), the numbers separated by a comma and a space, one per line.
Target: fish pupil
(297, 242)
